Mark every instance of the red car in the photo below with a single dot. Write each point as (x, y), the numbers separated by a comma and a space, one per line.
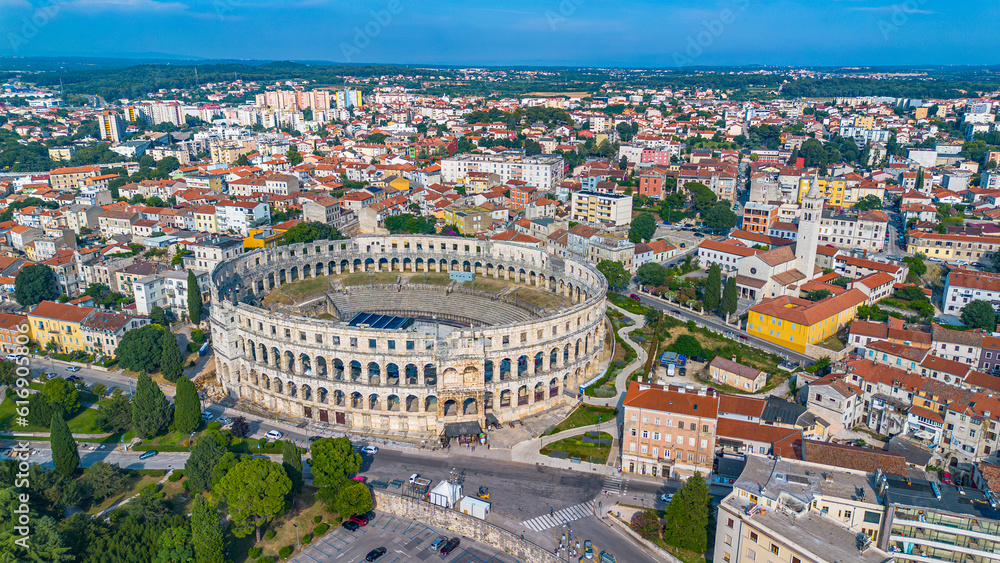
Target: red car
(634, 297)
(360, 519)
(946, 477)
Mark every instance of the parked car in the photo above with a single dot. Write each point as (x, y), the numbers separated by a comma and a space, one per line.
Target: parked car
(946, 477)
(588, 549)
(72, 368)
(350, 526)
(207, 415)
(74, 378)
(700, 235)
(375, 553)
(413, 478)
(633, 297)
(437, 543)
(447, 548)
(224, 419)
(667, 498)
(149, 454)
(273, 435)
(370, 450)
(360, 519)
(314, 438)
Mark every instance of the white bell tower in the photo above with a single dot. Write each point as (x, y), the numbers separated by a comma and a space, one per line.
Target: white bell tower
(810, 215)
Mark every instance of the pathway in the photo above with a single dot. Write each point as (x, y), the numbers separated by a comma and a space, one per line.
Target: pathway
(621, 381)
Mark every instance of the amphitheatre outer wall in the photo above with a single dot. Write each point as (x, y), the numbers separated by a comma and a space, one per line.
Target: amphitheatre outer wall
(408, 382)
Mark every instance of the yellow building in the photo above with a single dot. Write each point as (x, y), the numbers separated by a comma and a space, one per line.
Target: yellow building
(794, 323)
(857, 193)
(59, 323)
(262, 238)
(865, 121)
(947, 247)
(469, 220)
(833, 189)
(398, 185)
(204, 219)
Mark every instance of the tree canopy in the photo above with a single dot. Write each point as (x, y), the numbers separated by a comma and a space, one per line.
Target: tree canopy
(688, 516)
(642, 229)
(141, 349)
(407, 223)
(194, 304)
(979, 314)
(35, 283)
(309, 232)
(254, 490)
(651, 274)
(616, 274)
(150, 408)
(720, 217)
(187, 407)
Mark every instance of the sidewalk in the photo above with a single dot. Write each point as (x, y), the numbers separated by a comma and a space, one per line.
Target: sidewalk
(621, 381)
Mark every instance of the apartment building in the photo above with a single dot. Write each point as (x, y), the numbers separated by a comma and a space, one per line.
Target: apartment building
(833, 189)
(613, 248)
(323, 210)
(865, 230)
(71, 178)
(239, 216)
(59, 323)
(932, 521)
(949, 247)
(758, 217)
(468, 219)
(111, 126)
(542, 172)
(209, 253)
(12, 327)
(963, 286)
(601, 209)
(797, 323)
(114, 222)
(166, 290)
(103, 330)
(669, 431)
(522, 195)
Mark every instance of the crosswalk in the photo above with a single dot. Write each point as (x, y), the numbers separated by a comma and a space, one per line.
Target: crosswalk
(560, 517)
(615, 485)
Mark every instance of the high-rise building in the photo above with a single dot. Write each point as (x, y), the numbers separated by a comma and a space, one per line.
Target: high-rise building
(112, 128)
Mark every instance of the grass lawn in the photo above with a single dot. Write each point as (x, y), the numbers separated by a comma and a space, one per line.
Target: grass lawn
(432, 278)
(305, 508)
(526, 293)
(306, 287)
(833, 343)
(85, 421)
(576, 447)
(583, 415)
(362, 278)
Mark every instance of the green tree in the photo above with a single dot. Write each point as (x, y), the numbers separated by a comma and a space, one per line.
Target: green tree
(730, 298)
(171, 364)
(720, 217)
(688, 516)
(46, 545)
(150, 408)
(114, 414)
(194, 299)
(651, 274)
(35, 283)
(140, 349)
(642, 228)
(309, 232)
(62, 395)
(254, 491)
(8, 373)
(980, 314)
(294, 157)
(291, 461)
(334, 461)
(688, 345)
(64, 454)
(174, 546)
(615, 273)
(103, 480)
(187, 407)
(200, 465)
(206, 533)
(869, 202)
(354, 498)
(702, 197)
(228, 461)
(713, 288)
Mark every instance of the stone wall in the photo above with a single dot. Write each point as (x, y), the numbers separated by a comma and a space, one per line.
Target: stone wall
(462, 524)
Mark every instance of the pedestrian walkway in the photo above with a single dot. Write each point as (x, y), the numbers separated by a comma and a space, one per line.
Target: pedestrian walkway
(621, 381)
(615, 485)
(560, 517)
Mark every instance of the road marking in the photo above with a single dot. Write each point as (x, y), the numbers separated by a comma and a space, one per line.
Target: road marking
(560, 517)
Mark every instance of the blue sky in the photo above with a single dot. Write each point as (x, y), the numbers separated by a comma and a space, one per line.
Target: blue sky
(557, 32)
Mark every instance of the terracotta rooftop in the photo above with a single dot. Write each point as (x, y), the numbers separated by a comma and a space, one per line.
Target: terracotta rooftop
(850, 457)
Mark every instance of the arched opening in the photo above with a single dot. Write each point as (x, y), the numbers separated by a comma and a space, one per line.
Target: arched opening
(321, 366)
(338, 398)
(306, 393)
(522, 395)
(355, 370)
(412, 403)
(487, 401)
(293, 390)
(357, 401)
(538, 362)
(392, 403)
(322, 395)
(450, 408)
(411, 374)
(522, 366)
(374, 372)
(392, 374)
(539, 392)
(374, 403)
(470, 407)
(431, 404)
(289, 361)
(488, 371)
(553, 387)
(306, 364)
(505, 369)
(505, 398)
(430, 375)
(338, 369)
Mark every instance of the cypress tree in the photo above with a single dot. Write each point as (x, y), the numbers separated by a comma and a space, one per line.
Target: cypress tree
(64, 453)
(207, 535)
(171, 364)
(187, 407)
(688, 516)
(150, 408)
(194, 298)
(291, 460)
(730, 297)
(713, 288)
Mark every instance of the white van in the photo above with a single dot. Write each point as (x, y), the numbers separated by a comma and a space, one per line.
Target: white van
(670, 370)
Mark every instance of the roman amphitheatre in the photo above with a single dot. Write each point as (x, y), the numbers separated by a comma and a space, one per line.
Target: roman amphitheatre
(406, 335)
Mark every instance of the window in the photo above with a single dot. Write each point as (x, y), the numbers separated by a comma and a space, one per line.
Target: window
(680, 425)
(774, 549)
(645, 433)
(753, 536)
(371, 343)
(656, 436)
(409, 345)
(751, 554)
(729, 539)
(644, 448)
(634, 433)
(645, 420)
(631, 447)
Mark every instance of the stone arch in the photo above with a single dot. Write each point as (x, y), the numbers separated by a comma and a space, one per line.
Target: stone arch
(339, 399)
(321, 366)
(539, 358)
(522, 395)
(338, 368)
(553, 387)
(355, 370)
(253, 349)
(289, 363)
(539, 392)
(293, 389)
(411, 374)
(488, 400)
(374, 372)
(488, 371)
(505, 367)
(430, 375)
(412, 403)
(305, 364)
(554, 358)
(391, 374)
(470, 407)
(392, 403)
(263, 354)
(306, 391)
(450, 408)
(322, 395)
(279, 387)
(522, 366)
(357, 400)
(267, 381)
(430, 403)
(505, 396)
(276, 356)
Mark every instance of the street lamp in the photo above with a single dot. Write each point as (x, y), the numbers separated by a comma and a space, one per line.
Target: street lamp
(297, 546)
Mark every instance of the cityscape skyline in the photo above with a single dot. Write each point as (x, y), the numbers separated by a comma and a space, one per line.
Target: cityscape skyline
(565, 33)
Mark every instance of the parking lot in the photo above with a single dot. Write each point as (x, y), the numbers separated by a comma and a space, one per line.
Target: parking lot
(404, 538)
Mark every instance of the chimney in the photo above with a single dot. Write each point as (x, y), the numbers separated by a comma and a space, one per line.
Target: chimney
(734, 358)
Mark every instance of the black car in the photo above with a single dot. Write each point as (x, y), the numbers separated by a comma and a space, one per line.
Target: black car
(450, 546)
(375, 553)
(350, 525)
(314, 438)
